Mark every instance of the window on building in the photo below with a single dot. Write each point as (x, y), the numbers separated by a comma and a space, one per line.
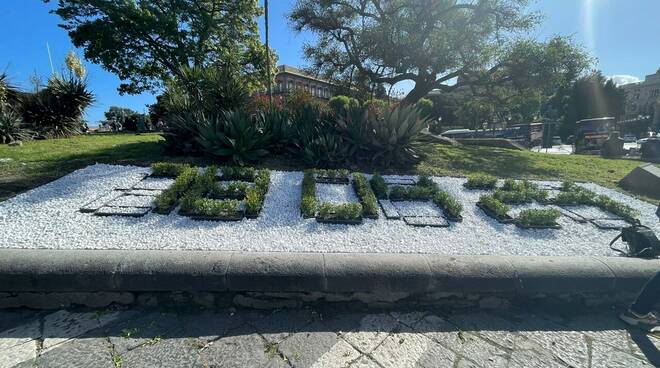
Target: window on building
(290, 86)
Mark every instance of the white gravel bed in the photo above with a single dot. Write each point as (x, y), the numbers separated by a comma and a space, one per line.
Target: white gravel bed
(590, 212)
(132, 201)
(121, 211)
(335, 193)
(154, 183)
(426, 221)
(144, 192)
(49, 217)
(101, 200)
(417, 208)
(388, 208)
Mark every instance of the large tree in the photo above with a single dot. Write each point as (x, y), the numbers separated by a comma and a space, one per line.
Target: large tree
(436, 44)
(146, 42)
(592, 96)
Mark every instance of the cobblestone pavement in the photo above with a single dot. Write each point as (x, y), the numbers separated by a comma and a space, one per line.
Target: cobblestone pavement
(318, 338)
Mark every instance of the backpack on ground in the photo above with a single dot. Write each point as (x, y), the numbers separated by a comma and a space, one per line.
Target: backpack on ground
(641, 240)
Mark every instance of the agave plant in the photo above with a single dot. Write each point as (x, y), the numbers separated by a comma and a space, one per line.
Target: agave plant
(12, 127)
(355, 125)
(395, 133)
(316, 138)
(57, 110)
(278, 127)
(235, 135)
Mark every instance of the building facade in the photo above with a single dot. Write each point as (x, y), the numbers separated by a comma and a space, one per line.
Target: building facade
(641, 97)
(289, 79)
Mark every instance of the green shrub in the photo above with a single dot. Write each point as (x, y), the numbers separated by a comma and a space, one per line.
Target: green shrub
(577, 196)
(254, 201)
(516, 197)
(340, 104)
(379, 186)
(168, 169)
(332, 174)
(308, 201)
(238, 173)
(617, 208)
(167, 198)
(235, 190)
(494, 205)
(366, 195)
(412, 193)
(538, 217)
(450, 205)
(481, 181)
(213, 207)
(425, 107)
(345, 211)
(262, 180)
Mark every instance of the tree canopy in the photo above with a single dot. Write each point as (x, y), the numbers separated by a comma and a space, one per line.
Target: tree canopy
(437, 44)
(146, 42)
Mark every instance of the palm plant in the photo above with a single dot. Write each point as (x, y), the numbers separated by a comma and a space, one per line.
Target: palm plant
(57, 110)
(234, 135)
(12, 127)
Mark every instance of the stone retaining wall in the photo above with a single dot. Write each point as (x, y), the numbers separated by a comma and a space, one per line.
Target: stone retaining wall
(56, 278)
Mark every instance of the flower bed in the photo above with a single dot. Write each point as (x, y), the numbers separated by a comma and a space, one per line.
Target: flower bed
(279, 226)
(424, 189)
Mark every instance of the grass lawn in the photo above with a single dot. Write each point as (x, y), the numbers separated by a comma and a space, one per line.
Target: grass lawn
(38, 162)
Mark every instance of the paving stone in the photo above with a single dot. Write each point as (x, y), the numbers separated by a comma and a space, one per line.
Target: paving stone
(154, 183)
(122, 211)
(242, 348)
(463, 343)
(84, 352)
(166, 353)
(532, 359)
(364, 362)
(278, 325)
(426, 221)
(209, 325)
(340, 355)
(131, 201)
(409, 349)
(603, 327)
(388, 209)
(19, 335)
(370, 332)
(62, 325)
(303, 349)
(143, 329)
(491, 327)
(408, 318)
(604, 355)
(25, 352)
(567, 346)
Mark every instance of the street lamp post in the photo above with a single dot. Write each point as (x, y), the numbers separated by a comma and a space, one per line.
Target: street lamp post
(270, 88)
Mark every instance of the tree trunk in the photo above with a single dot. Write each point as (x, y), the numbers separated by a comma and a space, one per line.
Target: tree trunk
(418, 92)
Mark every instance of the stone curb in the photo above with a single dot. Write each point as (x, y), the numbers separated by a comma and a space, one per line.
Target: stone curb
(26, 270)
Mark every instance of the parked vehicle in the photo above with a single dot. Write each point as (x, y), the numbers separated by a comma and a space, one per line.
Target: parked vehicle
(629, 138)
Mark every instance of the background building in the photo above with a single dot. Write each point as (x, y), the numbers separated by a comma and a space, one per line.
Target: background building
(641, 97)
(289, 78)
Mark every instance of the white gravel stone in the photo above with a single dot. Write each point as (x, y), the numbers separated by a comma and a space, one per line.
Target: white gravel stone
(154, 183)
(417, 208)
(132, 201)
(335, 193)
(49, 217)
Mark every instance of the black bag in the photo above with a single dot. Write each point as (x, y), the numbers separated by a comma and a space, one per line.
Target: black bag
(641, 240)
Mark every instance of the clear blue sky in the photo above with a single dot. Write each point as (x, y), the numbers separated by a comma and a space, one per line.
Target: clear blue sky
(623, 34)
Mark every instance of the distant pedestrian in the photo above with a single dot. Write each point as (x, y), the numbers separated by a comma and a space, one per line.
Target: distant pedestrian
(640, 313)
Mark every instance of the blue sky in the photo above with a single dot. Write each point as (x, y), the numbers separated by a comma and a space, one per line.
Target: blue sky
(622, 34)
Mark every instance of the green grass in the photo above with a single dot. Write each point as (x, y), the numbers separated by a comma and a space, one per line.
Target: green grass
(505, 163)
(38, 162)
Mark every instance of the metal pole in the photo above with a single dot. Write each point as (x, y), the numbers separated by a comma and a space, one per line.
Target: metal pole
(270, 87)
